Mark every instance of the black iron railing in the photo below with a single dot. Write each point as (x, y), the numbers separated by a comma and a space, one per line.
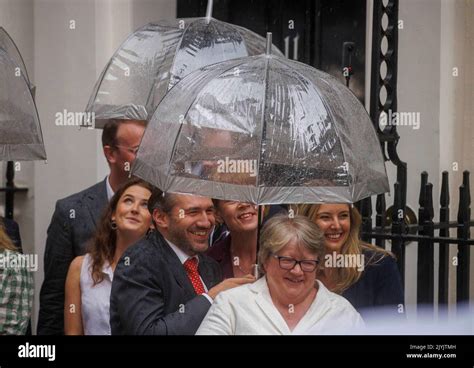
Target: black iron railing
(427, 233)
(393, 225)
(10, 189)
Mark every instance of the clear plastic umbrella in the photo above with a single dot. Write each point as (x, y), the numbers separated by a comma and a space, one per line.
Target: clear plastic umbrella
(20, 131)
(266, 130)
(157, 56)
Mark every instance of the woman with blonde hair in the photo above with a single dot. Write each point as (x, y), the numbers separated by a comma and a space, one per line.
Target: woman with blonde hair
(287, 299)
(363, 273)
(16, 288)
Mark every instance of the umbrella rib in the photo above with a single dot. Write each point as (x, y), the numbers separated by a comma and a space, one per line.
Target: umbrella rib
(262, 119)
(18, 52)
(106, 68)
(335, 128)
(37, 120)
(30, 95)
(99, 82)
(153, 88)
(181, 41)
(323, 100)
(173, 150)
(169, 79)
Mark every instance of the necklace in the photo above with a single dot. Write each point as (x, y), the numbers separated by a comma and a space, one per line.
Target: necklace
(252, 269)
(236, 263)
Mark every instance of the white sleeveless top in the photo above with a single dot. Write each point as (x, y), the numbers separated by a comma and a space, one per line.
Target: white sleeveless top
(95, 300)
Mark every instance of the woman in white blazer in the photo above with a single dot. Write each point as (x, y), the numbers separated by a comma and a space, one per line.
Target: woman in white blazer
(287, 299)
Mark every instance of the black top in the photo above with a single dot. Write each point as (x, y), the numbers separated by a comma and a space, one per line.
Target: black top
(380, 285)
(220, 252)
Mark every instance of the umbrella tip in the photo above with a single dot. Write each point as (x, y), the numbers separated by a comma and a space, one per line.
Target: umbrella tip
(268, 51)
(209, 9)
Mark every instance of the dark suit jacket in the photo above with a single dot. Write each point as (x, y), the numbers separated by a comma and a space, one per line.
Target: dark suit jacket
(151, 292)
(73, 224)
(380, 285)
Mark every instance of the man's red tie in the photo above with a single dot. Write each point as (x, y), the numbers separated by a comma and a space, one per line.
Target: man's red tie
(191, 267)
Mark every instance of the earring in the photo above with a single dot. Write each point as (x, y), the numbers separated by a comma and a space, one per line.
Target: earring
(113, 225)
(149, 231)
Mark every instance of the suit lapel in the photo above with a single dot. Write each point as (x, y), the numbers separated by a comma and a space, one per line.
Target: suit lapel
(264, 302)
(206, 273)
(176, 267)
(96, 201)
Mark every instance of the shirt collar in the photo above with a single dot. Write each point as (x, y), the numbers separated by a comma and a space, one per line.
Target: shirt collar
(183, 257)
(107, 270)
(110, 192)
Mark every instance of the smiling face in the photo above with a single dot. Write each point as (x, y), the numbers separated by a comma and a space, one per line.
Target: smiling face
(131, 214)
(238, 216)
(334, 220)
(290, 286)
(188, 224)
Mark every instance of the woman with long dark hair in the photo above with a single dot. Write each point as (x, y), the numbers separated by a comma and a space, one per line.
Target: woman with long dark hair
(89, 280)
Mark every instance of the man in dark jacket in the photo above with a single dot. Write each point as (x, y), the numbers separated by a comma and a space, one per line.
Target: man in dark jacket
(164, 284)
(75, 218)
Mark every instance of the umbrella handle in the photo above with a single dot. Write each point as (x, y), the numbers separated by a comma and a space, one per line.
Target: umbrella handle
(259, 225)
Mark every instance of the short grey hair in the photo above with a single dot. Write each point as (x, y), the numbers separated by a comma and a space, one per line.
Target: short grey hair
(282, 229)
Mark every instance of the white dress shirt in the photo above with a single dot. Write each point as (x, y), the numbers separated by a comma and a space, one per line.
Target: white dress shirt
(110, 191)
(183, 257)
(249, 310)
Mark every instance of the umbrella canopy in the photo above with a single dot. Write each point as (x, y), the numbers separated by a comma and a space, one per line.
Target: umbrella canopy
(7, 44)
(20, 131)
(266, 130)
(157, 56)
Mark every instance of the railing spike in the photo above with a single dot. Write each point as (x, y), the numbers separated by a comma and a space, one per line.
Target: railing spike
(424, 181)
(465, 182)
(444, 197)
(429, 201)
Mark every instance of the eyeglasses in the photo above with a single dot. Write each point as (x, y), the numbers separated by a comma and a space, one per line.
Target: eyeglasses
(133, 150)
(288, 263)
